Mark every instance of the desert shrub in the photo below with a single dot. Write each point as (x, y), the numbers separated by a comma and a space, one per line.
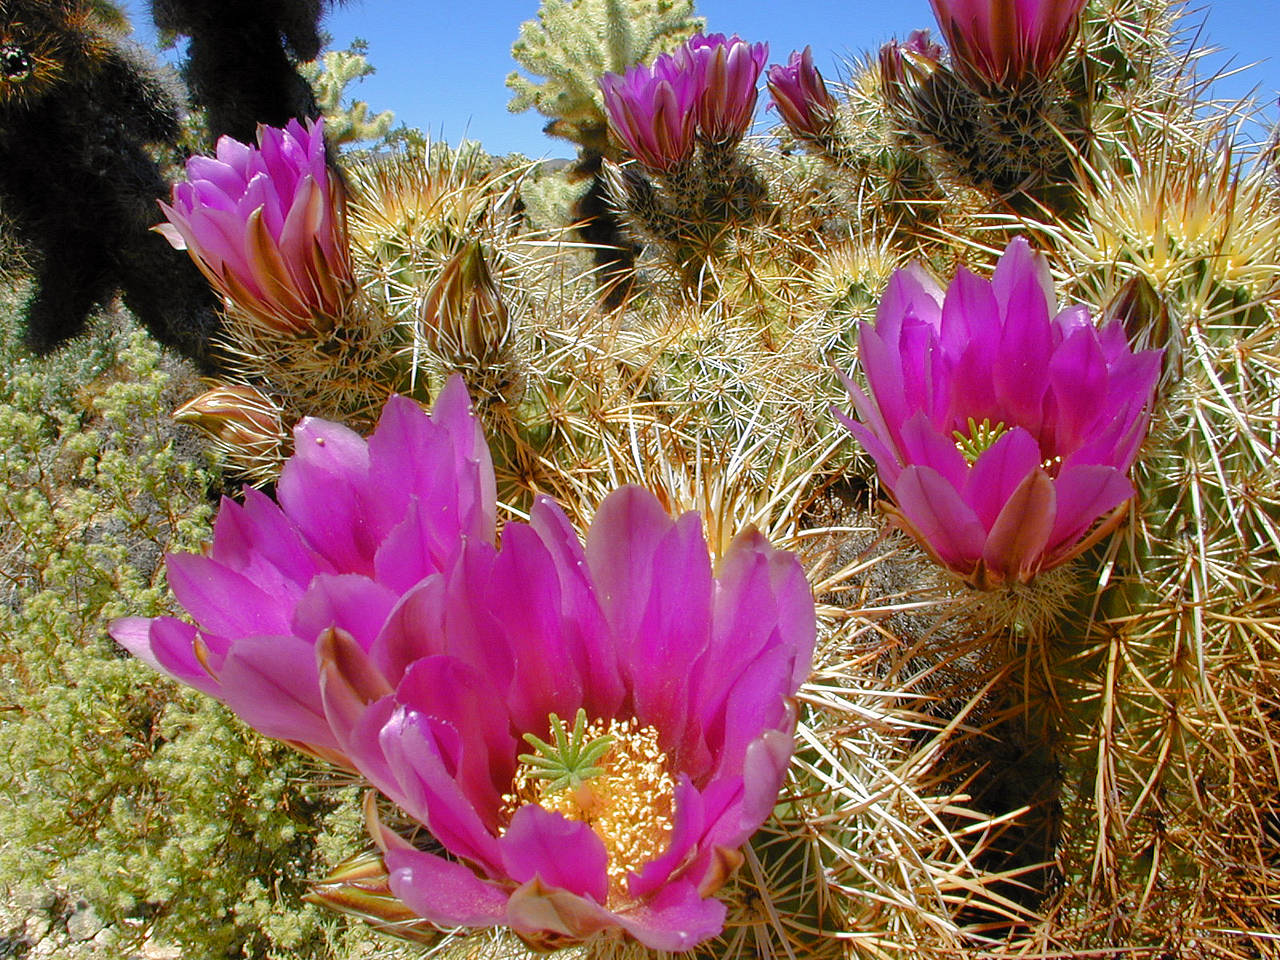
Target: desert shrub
(150, 802)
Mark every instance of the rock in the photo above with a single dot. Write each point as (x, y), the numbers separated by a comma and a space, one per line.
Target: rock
(84, 923)
(40, 899)
(37, 928)
(153, 952)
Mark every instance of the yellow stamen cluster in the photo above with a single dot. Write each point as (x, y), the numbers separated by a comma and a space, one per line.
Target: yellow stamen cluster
(629, 803)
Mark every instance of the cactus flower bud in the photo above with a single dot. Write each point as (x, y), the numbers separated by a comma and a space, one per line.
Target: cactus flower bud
(464, 315)
(801, 98)
(236, 417)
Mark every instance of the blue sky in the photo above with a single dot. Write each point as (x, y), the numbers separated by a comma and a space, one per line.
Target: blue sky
(441, 66)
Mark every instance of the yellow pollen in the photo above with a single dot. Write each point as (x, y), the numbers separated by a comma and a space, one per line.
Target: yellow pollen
(629, 804)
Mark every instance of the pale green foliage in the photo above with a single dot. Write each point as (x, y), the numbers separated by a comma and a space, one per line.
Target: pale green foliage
(147, 800)
(573, 42)
(549, 198)
(345, 121)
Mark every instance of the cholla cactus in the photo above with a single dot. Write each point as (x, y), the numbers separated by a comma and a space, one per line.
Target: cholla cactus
(330, 76)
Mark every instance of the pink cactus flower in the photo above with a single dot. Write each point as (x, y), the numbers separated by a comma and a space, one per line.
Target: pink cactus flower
(357, 525)
(727, 70)
(1003, 432)
(267, 226)
(651, 110)
(921, 45)
(801, 98)
(370, 619)
(591, 733)
(1005, 43)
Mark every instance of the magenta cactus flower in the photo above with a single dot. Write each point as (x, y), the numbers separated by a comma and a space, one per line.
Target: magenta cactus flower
(1005, 43)
(919, 43)
(801, 98)
(1004, 433)
(267, 227)
(590, 733)
(357, 525)
(727, 70)
(651, 110)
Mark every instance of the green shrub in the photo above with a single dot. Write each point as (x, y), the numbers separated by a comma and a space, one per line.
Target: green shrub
(148, 801)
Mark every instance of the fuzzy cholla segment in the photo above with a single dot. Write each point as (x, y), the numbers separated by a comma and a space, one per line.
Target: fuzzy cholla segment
(1003, 432)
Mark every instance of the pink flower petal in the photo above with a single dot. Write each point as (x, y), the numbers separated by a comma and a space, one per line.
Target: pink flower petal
(925, 446)
(653, 577)
(223, 601)
(688, 829)
(936, 511)
(1085, 493)
(1078, 378)
(167, 645)
(998, 471)
(676, 919)
(330, 458)
(259, 541)
(561, 853)
(272, 683)
(414, 745)
(449, 690)
(526, 599)
(604, 690)
(1021, 530)
(443, 892)
(352, 603)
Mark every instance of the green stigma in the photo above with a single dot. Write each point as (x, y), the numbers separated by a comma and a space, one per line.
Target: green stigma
(981, 437)
(571, 760)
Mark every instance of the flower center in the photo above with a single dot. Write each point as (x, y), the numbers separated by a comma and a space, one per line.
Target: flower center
(612, 776)
(980, 438)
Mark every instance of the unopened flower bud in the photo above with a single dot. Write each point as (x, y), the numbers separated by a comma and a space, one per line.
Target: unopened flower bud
(238, 417)
(801, 98)
(464, 315)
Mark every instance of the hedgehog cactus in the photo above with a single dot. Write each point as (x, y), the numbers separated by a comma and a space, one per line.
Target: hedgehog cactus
(1040, 724)
(687, 202)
